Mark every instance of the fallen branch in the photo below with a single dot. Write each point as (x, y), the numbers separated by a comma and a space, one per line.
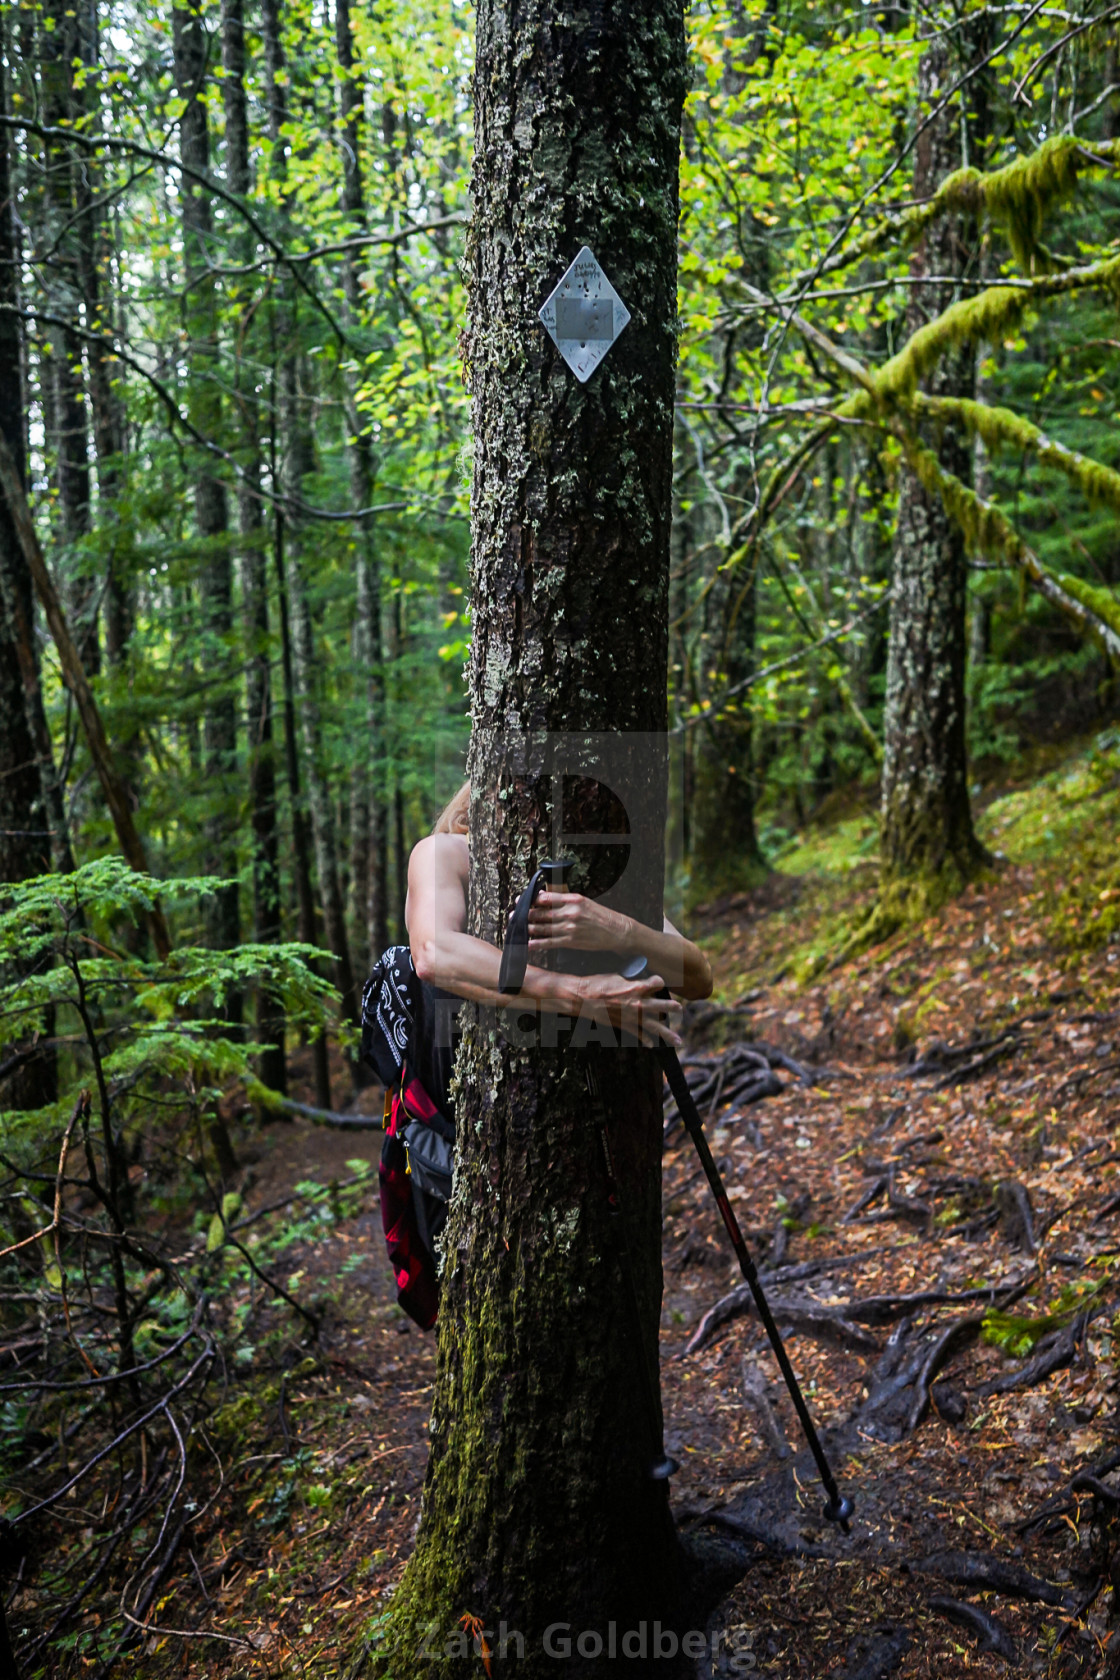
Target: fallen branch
(326, 1117)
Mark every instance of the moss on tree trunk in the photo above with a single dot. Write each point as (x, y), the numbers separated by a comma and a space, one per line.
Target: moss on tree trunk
(537, 1507)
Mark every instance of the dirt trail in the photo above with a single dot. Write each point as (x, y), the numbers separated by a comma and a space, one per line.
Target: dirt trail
(963, 1058)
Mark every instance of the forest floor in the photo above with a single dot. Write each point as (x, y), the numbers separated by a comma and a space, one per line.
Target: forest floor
(937, 1198)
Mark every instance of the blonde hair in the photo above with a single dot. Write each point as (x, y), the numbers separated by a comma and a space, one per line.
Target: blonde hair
(455, 816)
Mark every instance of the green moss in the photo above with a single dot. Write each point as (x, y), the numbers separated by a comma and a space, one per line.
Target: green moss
(837, 849)
(987, 317)
(1019, 198)
(1050, 817)
(902, 902)
(1000, 427)
(1100, 601)
(1083, 914)
(988, 531)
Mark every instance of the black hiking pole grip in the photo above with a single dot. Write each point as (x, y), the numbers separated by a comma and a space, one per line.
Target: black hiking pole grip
(838, 1509)
(515, 945)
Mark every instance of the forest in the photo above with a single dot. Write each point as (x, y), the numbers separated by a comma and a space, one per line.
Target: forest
(303, 520)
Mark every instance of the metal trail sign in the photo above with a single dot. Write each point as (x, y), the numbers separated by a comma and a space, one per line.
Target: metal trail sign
(584, 315)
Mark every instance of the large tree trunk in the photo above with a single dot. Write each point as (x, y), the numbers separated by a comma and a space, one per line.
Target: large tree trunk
(538, 1507)
(254, 583)
(369, 825)
(211, 512)
(928, 846)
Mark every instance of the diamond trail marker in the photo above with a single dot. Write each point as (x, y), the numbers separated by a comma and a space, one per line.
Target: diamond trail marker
(584, 315)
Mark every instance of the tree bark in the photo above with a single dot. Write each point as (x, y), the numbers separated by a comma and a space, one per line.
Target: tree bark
(537, 1505)
(211, 511)
(369, 824)
(928, 845)
(254, 584)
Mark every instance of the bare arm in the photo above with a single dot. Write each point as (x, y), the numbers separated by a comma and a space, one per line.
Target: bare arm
(444, 954)
(561, 921)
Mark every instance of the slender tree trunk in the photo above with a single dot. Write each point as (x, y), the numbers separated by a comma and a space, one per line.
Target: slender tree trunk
(105, 405)
(36, 779)
(68, 437)
(538, 1507)
(282, 327)
(25, 843)
(368, 802)
(725, 854)
(254, 584)
(928, 846)
(301, 837)
(33, 830)
(211, 511)
(306, 689)
(298, 463)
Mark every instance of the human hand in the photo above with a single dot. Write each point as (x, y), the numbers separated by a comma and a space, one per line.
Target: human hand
(633, 1006)
(566, 921)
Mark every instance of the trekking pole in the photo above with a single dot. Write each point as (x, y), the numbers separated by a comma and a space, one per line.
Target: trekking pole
(838, 1509)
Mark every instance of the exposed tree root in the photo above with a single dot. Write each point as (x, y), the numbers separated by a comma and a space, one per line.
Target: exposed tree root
(756, 1389)
(830, 1322)
(981, 1569)
(992, 1636)
(1016, 1215)
(954, 1336)
(1054, 1352)
(878, 1659)
(1057, 1507)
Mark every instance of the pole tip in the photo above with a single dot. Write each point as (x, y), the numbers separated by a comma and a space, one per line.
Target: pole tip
(839, 1510)
(662, 1468)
